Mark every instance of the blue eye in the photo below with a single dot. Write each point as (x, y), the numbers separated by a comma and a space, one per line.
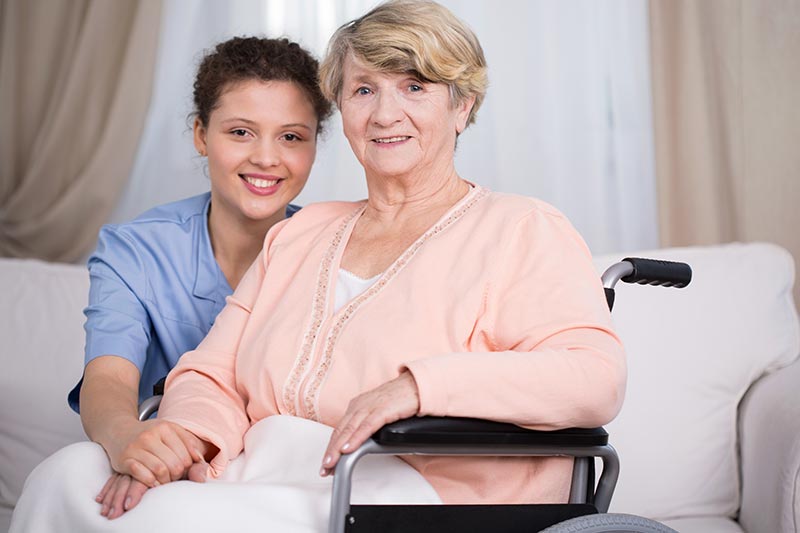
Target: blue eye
(363, 91)
(414, 88)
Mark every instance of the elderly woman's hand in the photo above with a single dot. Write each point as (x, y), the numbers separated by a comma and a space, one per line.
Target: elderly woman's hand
(367, 413)
(121, 493)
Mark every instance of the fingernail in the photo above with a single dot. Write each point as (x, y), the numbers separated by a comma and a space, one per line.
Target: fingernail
(327, 460)
(322, 472)
(127, 503)
(346, 446)
(98, 499)
(156, 483)
(111, 511)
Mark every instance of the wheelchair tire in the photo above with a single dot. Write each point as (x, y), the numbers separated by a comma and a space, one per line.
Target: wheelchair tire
(609, 523)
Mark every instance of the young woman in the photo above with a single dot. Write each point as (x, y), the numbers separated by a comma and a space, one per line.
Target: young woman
(158, 282)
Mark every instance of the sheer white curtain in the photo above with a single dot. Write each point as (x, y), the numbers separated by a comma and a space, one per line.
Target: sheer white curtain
(567, 117)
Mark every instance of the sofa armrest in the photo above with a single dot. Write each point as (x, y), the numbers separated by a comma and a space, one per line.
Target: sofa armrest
(769, 429)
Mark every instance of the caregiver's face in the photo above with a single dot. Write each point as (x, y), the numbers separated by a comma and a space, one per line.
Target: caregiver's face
(397, 124)
(261, 142)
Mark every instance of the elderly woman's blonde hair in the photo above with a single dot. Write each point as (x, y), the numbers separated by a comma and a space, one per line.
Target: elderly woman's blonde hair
(417, 36)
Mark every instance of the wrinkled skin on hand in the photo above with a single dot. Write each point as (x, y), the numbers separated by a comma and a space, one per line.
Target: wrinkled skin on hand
(367, 413)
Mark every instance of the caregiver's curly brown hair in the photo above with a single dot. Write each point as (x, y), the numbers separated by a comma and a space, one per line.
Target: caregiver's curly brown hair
(252, 58)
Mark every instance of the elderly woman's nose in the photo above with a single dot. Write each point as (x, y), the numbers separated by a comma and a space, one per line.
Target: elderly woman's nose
(265, 154)
(388, 108)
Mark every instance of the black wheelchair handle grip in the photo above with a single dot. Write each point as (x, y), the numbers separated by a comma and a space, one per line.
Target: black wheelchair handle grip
(658, 272)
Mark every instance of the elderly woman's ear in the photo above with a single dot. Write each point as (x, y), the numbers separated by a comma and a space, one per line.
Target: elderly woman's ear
(464, 111)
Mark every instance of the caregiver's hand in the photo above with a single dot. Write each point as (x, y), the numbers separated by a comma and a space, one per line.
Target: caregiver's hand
(155, 451)
(367, 413)
(122, 493)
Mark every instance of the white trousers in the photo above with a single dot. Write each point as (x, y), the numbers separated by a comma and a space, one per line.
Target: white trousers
(274, 485)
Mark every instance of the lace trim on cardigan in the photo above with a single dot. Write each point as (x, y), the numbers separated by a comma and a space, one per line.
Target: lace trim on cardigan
(311, 398)
(290, 388)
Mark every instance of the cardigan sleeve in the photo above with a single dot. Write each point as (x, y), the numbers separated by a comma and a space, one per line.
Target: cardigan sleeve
(201, 392)
(555, 361)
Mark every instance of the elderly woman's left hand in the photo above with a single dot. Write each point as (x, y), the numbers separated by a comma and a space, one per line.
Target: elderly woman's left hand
(367, 413)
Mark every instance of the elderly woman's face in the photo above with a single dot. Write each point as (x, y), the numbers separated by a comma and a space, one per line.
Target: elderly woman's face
(398, 125)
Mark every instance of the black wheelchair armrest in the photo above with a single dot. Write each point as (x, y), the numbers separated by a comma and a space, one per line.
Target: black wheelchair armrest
(452, 430)
(468, 436)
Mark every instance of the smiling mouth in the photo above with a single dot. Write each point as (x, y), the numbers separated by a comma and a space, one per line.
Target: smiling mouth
(258, 182)
(389, 140)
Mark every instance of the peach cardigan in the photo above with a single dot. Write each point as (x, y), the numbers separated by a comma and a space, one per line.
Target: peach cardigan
(496, 310)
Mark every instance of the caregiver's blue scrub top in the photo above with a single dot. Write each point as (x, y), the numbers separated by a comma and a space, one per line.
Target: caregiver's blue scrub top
(155, 289)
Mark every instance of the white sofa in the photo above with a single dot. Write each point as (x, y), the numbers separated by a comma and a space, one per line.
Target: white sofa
(709, 437)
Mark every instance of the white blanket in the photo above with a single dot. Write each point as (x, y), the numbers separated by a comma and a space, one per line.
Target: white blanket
(274, 485)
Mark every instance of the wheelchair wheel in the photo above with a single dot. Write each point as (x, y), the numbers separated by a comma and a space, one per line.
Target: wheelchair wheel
(609, 523)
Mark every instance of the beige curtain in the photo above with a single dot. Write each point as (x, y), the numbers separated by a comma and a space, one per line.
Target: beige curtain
(75, 81)
(726, 87)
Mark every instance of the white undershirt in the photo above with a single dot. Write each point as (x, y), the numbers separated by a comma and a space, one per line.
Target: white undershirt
(349, 286)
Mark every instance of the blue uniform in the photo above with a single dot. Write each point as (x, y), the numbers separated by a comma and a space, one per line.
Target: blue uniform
(155, 289)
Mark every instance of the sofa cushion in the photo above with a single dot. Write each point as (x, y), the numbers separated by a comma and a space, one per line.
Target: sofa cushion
(692, 355)
(41, 354)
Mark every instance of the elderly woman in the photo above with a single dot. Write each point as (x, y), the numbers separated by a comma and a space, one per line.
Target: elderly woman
(434, 296)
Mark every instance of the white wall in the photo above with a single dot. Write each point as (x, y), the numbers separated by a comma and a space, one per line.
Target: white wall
(567, 117)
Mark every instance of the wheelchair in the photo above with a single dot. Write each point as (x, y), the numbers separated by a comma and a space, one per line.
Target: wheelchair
(589, 499)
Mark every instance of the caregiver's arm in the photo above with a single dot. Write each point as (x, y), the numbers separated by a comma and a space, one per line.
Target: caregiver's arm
(118, 334)
(153, 451)
(202, 405)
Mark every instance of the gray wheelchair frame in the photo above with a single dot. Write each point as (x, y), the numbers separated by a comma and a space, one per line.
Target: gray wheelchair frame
(469, 437)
